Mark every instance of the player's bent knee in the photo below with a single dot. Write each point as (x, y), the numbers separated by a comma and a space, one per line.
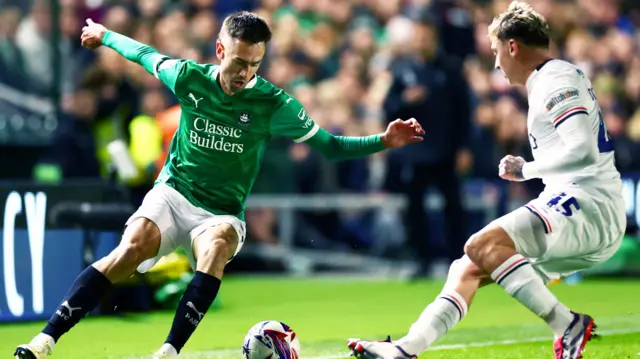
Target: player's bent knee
(214, 247)
(464, 268)
(219, 249)
(140, 241)
(485, 242)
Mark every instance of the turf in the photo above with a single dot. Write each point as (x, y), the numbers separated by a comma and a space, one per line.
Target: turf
(325, 312)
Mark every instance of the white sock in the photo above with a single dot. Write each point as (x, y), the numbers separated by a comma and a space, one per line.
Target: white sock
(169, 349)
(519, 279)
(437, 318)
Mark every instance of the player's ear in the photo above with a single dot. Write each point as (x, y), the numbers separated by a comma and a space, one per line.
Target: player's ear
(513, 47)
(219, 50)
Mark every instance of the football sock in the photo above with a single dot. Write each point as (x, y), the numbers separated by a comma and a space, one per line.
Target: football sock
(85, 294)
(519, 279)
(437, 318)
(192, 307)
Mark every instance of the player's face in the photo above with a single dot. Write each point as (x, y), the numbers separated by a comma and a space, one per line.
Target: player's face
(505, 62)
(239, 62)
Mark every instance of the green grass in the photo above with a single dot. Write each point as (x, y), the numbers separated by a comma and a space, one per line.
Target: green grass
(325, 312)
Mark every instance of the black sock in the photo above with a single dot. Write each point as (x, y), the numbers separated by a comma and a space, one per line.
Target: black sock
(84, 295)
(194, 304)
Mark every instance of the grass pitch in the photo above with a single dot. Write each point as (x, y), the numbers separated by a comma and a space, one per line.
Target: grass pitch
(325, 312)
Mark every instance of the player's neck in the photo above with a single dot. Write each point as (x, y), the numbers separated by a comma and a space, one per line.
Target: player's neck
(533, 63)
(223, 86)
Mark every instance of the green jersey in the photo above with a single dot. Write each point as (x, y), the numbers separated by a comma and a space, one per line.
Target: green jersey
(215, 154)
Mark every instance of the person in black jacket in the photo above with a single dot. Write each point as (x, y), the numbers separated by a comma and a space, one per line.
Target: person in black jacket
(430, 86)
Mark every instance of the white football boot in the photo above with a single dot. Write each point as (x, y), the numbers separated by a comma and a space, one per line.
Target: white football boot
(39, 348)
(378, 350)
(167, 351)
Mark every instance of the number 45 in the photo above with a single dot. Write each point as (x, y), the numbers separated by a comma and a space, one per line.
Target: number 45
(564, 204)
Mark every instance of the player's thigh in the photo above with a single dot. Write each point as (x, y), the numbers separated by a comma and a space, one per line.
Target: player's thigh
(154, 225)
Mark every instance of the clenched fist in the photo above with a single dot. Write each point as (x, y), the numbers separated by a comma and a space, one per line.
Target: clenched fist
(92, 35)
(510, 168)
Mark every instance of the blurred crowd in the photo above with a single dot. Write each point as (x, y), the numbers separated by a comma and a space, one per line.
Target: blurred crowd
(354, 64)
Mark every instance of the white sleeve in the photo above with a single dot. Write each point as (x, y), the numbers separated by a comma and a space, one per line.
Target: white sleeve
(567, 110)
(580, 150)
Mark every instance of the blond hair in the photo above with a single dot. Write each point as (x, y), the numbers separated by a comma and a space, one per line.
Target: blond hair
(520, 22)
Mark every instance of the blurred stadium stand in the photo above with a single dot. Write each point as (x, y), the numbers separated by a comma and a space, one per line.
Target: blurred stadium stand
(60, 105)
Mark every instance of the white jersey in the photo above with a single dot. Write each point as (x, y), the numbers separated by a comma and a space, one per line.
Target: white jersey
(579, 219)
(567, 133)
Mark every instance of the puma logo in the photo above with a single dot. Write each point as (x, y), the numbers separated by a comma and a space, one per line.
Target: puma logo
(69, 308)
(193, 97)
(200, 314)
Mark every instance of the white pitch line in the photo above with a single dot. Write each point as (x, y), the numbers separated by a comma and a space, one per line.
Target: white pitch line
(491, 343)
(214, 354)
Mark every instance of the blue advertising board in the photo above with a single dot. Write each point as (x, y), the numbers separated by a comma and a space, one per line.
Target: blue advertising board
(38, 262)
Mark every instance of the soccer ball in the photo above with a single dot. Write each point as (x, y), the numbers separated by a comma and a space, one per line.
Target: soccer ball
(270, 339)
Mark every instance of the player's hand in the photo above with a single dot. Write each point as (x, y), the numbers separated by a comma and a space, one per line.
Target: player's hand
(92, 35)
(400, 133)
(510, 168)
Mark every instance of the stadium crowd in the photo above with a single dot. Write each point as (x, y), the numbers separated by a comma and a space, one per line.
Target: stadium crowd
(352, 63)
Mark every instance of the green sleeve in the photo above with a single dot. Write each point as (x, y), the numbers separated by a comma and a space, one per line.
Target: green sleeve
(161, 66)
(291, 120)
(339, 148)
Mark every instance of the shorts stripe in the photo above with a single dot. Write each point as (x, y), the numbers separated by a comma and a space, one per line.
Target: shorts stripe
(545, 222)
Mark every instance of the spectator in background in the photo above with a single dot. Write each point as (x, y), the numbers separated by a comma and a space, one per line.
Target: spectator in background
(12, 65)
(73, 153)
(334, 56)
(429, 85)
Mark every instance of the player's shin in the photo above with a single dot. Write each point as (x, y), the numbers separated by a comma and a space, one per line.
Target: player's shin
(519, 279)
(449, 307)
(85, 294)
(194, 304)
(212, 256)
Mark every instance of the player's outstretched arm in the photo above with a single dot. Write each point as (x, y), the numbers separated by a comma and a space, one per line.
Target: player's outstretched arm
(291, 120)
(337, 148)
(94, 35)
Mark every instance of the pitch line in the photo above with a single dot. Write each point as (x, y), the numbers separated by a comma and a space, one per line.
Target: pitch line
(221, 353)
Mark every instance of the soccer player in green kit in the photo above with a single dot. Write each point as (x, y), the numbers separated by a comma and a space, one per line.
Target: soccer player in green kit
(228, 116)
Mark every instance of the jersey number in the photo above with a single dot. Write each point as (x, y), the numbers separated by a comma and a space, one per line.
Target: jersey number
(604, 140)
(564, 204)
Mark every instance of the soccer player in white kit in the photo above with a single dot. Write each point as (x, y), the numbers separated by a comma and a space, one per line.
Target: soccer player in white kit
(576, 222)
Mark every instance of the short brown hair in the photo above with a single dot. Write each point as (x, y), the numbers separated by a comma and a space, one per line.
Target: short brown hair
(520, 22)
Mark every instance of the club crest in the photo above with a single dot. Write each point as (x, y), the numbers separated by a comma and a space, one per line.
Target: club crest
(244, 119)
